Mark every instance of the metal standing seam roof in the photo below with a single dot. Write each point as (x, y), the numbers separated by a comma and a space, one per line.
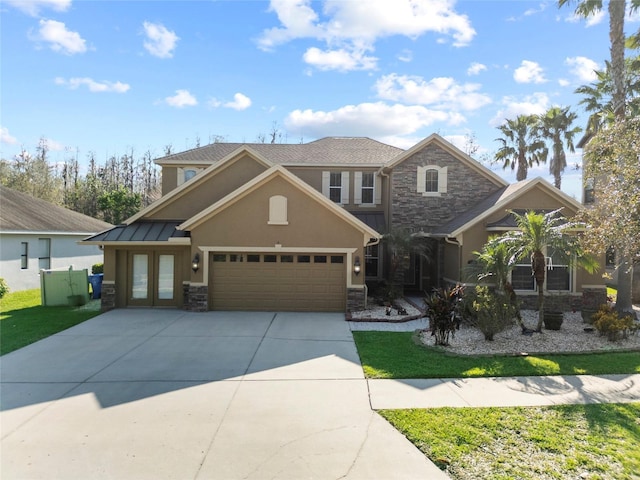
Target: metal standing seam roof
(141, 232)
(374, 220)
(329, 151)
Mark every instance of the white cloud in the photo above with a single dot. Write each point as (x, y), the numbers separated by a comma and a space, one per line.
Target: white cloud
(378, 120)
(563, 82)
(440, 92)
(512, 107)
(181, 99)
(353, 27)
(92, 85)
(6, 137)
(529, 72)
(160, 42)
(60, 39)
(592, 20)
(240, 102)
(583, 68)
(475, 68)
(33, 7)
(405, 55)
(341, 60)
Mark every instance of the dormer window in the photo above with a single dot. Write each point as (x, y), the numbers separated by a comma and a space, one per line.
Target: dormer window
(187, 173)
(431, 180)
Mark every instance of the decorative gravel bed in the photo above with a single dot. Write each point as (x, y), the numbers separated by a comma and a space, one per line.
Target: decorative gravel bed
(570, 338)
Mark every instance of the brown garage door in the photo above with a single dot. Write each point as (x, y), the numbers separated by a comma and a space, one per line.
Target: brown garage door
(277, 282)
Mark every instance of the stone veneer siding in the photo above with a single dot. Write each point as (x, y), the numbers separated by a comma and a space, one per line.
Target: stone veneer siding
(197, 298)
(465, 188)
(108, 296)
(356, 299)
(562, 302)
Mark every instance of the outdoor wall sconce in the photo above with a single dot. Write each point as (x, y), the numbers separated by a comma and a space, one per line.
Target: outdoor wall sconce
(195, 264)
(356, 266)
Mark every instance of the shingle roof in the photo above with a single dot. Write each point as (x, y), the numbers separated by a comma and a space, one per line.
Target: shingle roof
(20, 212)
(140, 232)
(481, 207)
(326, 151)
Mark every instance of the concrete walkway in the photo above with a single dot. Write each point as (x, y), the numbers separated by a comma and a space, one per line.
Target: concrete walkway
(504, 391)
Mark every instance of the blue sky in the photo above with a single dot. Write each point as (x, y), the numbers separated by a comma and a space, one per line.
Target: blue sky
(111, 76)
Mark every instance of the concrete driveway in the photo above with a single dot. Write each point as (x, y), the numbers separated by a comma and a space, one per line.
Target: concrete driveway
(167, 394)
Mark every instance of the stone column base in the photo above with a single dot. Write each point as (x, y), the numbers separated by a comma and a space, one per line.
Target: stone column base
(197, 298)
(356, 299)
(108, 296)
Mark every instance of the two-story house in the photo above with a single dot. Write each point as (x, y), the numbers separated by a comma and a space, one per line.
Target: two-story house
(298, 226)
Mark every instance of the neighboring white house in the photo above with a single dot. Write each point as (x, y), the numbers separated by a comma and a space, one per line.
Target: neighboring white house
(36, 235)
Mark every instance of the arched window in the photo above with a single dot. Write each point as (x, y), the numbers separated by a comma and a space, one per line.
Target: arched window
(432, 180)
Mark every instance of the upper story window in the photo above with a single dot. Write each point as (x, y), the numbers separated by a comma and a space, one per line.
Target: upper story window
(367, 190)
(432, 180)
(335, 186)
(186, 174)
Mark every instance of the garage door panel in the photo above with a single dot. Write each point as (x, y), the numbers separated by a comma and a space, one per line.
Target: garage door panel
(279, 286)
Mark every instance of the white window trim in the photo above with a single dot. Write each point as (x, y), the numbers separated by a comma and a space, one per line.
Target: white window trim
(573, 271)
(181, 172)
(357, 185)
(421, 180)
(344, 186)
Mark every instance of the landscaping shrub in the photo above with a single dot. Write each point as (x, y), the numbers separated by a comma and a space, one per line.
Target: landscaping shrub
(97, 268)
(442, 309)
(608, 323)
(4, 288)
(493, 310)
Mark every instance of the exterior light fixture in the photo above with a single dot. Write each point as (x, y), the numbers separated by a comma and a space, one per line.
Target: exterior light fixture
(195, 264)
(356, 266)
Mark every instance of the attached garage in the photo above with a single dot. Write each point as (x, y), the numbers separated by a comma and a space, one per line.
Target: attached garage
(277, 282)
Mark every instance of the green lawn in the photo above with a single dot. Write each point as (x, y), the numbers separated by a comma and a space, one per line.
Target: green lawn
(23, 320)
(560, 442)
(396, 355)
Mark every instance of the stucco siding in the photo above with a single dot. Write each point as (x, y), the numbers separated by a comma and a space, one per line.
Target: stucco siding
(204, 194)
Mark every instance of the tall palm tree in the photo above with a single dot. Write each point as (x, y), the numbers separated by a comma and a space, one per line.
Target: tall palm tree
(597, 96)
(555, 125)
(617, 10)
(540, 232)
(521, 145)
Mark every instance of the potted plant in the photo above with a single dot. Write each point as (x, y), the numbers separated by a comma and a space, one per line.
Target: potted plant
(553, 320)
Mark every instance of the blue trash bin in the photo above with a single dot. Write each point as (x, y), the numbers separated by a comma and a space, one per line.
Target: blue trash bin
(96, 284)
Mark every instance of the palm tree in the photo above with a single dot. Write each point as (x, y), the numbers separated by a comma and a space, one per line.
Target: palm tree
(597, 96)
(617, 10)
(555, 125)
(538, 232)
(497, 260)
(521, 145)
